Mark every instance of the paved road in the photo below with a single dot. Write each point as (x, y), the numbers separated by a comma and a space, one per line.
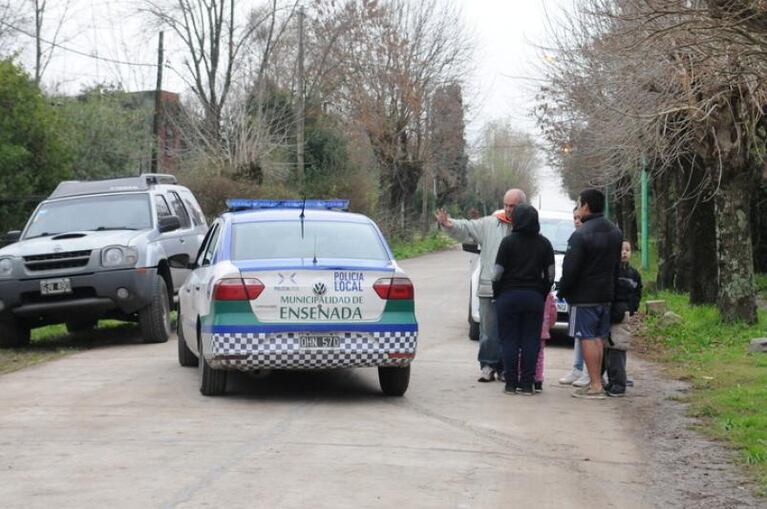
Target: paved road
(125, 426)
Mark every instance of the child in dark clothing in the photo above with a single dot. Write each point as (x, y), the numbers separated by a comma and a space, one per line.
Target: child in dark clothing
(628, 293)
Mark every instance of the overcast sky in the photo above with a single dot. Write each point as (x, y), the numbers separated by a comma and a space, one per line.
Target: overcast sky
(508, 35)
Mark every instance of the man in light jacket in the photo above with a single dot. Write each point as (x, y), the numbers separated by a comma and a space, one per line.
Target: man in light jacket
(487, 232)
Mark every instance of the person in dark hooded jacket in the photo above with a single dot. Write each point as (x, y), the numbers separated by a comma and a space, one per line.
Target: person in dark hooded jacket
(523, 276)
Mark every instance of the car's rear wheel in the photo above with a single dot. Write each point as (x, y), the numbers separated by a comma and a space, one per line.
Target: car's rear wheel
(13, 334)
(212, 381)
(76, 326)
(154, 319)
(393, 380)
(185, 356)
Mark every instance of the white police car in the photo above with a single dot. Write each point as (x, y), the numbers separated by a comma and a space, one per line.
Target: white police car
(295, 285)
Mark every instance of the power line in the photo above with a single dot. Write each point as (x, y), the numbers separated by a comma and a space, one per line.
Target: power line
(76, 52)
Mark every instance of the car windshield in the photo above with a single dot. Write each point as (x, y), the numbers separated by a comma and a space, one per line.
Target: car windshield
(323, 239)
(105, 212)
(558, 232)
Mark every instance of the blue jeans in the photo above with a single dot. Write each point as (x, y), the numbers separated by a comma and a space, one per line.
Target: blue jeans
(578, 355)
(520, 316)
(489, 342)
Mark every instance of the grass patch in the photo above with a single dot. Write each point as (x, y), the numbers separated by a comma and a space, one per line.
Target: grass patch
(730, 385)
(761, 285)
(420, 244)
(53, 342)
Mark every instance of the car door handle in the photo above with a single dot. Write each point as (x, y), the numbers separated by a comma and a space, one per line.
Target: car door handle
(188, 289)
(197, 288)
(181, 240)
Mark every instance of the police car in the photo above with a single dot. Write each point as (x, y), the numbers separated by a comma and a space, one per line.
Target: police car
(295, 285)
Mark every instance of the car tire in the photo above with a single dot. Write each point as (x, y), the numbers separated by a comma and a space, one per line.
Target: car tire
(394, 380)
(186, 357)
(13, 334)
(473, 326)
(81, 326)
(212, 381)
(154, 319)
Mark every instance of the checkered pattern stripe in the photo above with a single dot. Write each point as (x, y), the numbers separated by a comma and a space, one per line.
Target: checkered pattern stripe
(283, 350)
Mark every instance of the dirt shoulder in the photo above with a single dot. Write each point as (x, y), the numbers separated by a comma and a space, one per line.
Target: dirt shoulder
(686, 468)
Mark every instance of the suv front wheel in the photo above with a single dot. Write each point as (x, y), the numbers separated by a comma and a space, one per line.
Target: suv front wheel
(154, 319)
(13, 334)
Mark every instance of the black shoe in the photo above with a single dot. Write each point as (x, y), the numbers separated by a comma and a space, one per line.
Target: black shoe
(538, 386)
(527, 391)
(615, 394)
(510, 389)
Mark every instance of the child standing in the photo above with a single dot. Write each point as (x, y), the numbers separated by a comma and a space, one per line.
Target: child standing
(549, 319)
(628, 293)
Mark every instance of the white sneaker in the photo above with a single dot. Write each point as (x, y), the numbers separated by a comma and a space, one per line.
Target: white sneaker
(487, 374)
(571, 377)
(583, 381)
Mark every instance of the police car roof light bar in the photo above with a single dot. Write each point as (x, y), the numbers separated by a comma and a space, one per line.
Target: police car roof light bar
(238, 204)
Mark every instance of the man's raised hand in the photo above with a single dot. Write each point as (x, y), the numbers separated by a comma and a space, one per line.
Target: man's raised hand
(442, 218)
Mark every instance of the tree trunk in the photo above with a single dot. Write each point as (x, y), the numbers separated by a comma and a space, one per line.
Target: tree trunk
(684, 253)
(759, 225)
(664, 231)
(697, 270)
(736, 299)
(701, 245)
(629, 225)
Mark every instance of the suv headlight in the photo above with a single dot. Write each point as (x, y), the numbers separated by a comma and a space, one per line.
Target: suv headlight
(116, 256)
(6, 267)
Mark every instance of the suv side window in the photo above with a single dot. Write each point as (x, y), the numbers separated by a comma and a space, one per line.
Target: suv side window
(162, 206)
(211, 247)
(178, 208)
(198, 218)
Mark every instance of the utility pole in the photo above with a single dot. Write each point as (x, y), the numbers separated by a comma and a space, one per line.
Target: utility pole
(645, 240)
(157, 109)
(300, 102)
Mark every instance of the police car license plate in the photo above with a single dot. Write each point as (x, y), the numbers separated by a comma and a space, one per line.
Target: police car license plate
(562, 306)
(55, 286)
(320, 341)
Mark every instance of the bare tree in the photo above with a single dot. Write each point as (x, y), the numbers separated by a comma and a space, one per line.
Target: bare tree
(504, 157)
(215, 36)
(678, 84)
(45, 40)
(391, 58)
(9, 18)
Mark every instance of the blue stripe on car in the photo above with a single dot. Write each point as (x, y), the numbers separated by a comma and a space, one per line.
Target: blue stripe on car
(311, 327)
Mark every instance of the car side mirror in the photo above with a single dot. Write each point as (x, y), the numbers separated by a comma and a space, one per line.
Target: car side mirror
(180, 261)
(168, 224)
(11, 237)
(471, 248)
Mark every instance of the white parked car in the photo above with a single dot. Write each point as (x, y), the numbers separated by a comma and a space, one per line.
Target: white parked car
(99, 249)
(555, 226)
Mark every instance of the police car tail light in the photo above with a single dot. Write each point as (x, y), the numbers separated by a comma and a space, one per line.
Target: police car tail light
(238, 289)
(396, 288)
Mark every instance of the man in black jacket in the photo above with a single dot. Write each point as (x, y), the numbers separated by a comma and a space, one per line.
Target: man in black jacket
(589, 272)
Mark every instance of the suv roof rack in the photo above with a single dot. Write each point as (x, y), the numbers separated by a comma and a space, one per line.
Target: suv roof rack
(117, 185)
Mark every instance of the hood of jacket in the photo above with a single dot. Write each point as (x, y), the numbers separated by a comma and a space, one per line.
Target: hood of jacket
(525, 219)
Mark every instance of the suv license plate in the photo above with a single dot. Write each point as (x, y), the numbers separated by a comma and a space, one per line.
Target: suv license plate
(323, 341)
(55, 286)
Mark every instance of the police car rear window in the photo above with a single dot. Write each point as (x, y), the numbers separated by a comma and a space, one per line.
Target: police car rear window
(323, 239)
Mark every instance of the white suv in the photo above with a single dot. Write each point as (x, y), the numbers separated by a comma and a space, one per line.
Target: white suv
(99, 249)
(555, 226)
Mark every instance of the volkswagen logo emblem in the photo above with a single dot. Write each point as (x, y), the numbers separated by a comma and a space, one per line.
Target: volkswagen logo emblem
(319, 289)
